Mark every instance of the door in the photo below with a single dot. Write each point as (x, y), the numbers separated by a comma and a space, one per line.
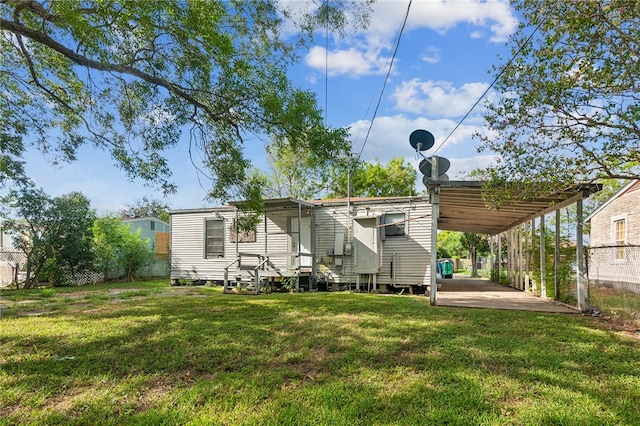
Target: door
(366, 241)
(302, 241)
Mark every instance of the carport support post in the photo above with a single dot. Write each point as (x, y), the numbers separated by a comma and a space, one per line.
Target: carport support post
(527, 272)
(534, 283)
(556, 259)
(500, 258)
(580, 281)
(543, 264)
(435, 212)
(520, 257)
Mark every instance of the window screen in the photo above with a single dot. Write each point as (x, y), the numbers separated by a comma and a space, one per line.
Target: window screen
(619, 236)
(214, 238)
(152, 225)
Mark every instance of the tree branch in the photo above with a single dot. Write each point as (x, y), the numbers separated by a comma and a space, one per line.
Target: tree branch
(45, 40)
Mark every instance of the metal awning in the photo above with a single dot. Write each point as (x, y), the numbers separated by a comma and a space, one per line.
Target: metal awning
(463, 207)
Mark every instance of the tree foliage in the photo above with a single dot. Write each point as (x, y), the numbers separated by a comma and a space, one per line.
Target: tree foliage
(53, 233)
(147, 207)
(372, 179)
(118, 249)
(449, 245)
(298, 172)
(132, 77)
(567, 107)
(475, 244)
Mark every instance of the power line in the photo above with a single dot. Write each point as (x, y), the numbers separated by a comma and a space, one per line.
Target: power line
(492, 84)
(395, 51)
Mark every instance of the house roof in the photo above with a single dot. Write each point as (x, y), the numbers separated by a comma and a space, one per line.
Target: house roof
(627, 188)
(463, 207)
(277, 203)
(137, 218)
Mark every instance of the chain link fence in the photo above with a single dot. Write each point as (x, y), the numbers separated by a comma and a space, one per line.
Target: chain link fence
(614, 281)
(11, 267)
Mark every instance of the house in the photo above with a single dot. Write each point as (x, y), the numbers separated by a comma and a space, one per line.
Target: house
(357, 243)
(157, 232)
(615, 240)
(11, 260)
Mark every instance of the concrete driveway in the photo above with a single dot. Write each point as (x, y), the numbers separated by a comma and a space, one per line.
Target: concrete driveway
(483, 293)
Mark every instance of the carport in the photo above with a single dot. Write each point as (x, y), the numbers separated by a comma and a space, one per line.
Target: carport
(462, 206)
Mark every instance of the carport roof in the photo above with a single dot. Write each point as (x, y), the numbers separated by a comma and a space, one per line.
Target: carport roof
(463, 207)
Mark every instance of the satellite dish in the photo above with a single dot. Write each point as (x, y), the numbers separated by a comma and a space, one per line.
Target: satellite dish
(426, 180)
(422, 137)
(443, 166)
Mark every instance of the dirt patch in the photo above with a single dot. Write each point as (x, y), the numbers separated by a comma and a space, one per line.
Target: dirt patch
(627, 328)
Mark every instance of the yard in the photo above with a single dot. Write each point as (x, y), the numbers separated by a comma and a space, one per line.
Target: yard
(147, 353)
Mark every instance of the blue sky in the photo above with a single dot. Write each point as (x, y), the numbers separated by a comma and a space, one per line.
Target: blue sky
(443, 65)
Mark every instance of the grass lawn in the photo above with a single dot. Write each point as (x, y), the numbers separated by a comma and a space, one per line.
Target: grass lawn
(147, 353)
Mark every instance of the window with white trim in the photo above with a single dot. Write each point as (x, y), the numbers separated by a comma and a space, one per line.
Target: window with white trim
(619, 237)
(213, 238)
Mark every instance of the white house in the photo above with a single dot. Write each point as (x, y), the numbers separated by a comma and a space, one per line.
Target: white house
(359, 243)
(12, 261)
(615, 240)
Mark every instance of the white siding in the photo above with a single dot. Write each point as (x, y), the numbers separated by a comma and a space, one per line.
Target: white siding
(187, 245)
(412, 250)
(272, 238)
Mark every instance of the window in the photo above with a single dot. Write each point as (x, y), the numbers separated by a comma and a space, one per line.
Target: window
(397, 227)
(214, 238)
(619, 237)
(152, 225)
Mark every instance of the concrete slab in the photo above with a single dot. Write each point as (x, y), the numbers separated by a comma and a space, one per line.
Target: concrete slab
(483, 293)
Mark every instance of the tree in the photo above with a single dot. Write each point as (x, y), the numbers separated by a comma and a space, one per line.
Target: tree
(11, 167)
(117, 248)
(132, 77)
(397, 178)
(449, 245)
(295, 171)
(476, 243)
(146, 207)
(53, 233)
(567, 107)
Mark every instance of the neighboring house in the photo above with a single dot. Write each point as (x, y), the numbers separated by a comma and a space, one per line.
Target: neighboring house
(12, 261)
(158, 233)
(361, 243)
(615, 239)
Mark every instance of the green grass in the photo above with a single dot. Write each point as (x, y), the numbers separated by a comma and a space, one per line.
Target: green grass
(147, 353)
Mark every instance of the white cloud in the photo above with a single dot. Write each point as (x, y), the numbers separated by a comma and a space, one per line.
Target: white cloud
(368, 51)
(442, 15)
(352, 62)
(389, 137)
(437, 98)
(431, 56)
(462, 166)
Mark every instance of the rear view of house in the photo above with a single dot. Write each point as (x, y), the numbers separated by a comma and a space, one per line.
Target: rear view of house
(615, 240)
(360, 243)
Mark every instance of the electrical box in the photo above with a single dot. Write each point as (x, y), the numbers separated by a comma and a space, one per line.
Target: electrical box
(338, 245)
(348, 249)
